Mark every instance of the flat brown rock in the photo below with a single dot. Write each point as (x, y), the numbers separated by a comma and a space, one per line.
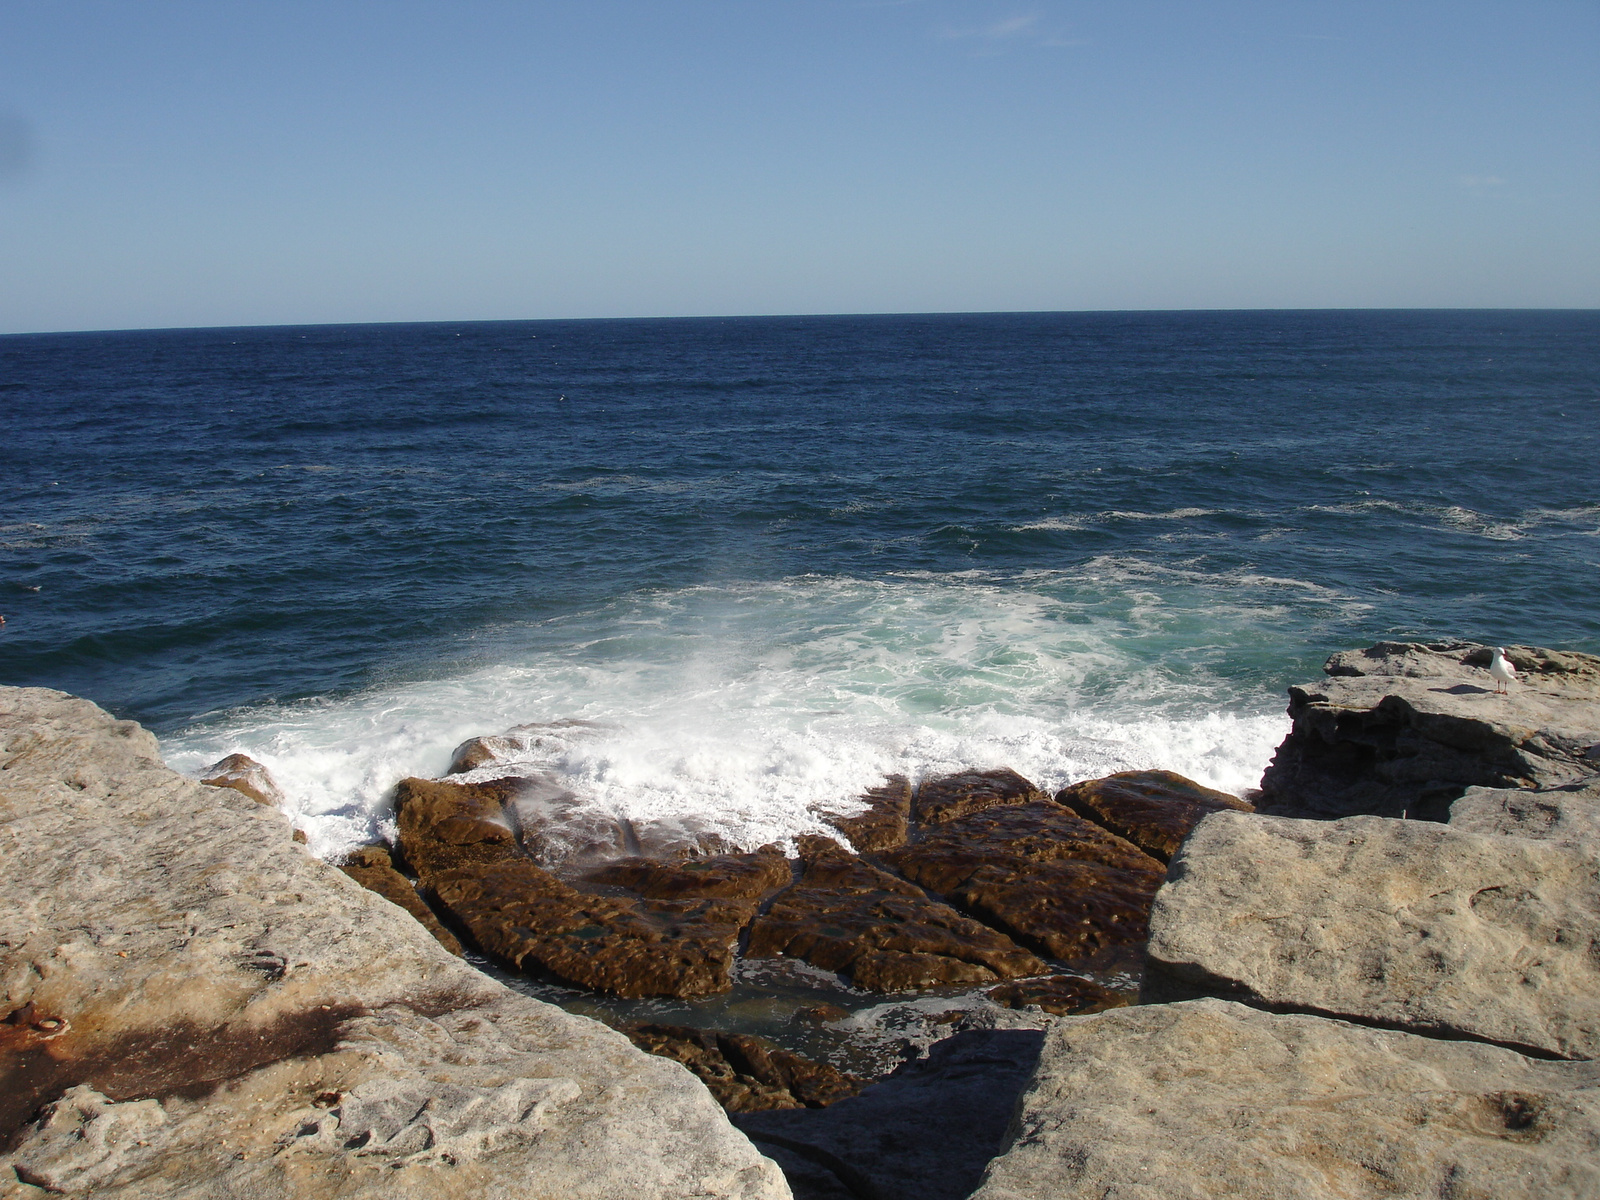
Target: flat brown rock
(1155, 810)
(1064, 995)
(521, 913)
(953, 796)
(1045, 876)
(886, 820)
(845, 915)
(747, 1073)
(373, 868)
(444, 824)
(732, 876)
(457, 837)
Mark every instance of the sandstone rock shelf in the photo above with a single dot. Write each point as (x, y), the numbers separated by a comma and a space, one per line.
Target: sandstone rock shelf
(1403, 729)
(238, 1019)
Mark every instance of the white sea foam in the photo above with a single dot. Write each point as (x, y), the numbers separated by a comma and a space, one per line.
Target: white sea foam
(1082, 521)
(753, 711)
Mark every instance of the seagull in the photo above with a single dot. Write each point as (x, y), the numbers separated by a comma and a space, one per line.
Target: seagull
(1501, 670)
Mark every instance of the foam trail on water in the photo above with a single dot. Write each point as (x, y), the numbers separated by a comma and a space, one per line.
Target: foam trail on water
(754, 711)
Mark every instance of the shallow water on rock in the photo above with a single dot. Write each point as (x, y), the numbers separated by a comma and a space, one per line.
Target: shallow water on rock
(776, 999)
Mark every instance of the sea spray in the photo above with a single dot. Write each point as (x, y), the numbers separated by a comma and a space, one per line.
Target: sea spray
(755, 711)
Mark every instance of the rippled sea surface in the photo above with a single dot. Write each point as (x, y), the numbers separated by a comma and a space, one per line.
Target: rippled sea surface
(772, 559)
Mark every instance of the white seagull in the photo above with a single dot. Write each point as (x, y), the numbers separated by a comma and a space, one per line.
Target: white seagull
(1501, 670)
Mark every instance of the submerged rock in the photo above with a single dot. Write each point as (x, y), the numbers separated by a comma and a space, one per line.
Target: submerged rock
(847, 916)
(1155, 810)
(747, 1073)
(1403, 729)
(244, 774)
(458, 838)
(1063, 995)
(1044, 875)
(1210, 1100)
(953, 796)
(238, 1019)
(886, 820)
(521, 743)
(373, 868)
(1408, 923)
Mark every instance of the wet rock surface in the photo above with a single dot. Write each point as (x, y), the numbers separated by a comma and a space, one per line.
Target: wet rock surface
(1403, 729)
(747, 1073)
(1212, 1100)
(1054, 881)
(732, 876)
(886, 820)
(1155, 810)
(846, 915)
(520, 743)
(1408, 923)
(1061, 995)
(924, 1133)
(952, 796)
(458, 838)
(238, 1019)
(373, 868)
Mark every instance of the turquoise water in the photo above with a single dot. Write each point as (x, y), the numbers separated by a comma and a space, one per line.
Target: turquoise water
(771, 560)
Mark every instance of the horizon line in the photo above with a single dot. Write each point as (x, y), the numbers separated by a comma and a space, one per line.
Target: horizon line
(792, 316)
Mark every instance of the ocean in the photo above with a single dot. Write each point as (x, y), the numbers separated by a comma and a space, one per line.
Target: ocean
(767, 561)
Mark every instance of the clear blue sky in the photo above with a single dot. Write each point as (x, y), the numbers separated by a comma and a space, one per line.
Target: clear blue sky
(224, 162)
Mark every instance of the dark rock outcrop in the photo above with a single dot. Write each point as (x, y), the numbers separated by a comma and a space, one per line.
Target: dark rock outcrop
(747, 1073)
(847, 916)
(950, 797)
(1403, 729)
(1155, 810)
(458, 839)
(730, 876)
(885, 822)
(373, 868)
(1044, 875)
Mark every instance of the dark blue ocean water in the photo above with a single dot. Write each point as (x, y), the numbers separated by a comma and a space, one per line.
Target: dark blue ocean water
(780, 555)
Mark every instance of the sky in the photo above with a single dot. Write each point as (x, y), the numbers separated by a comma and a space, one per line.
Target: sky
(239, 163)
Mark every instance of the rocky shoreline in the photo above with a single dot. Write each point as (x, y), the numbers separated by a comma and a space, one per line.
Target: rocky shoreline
(1383, 978)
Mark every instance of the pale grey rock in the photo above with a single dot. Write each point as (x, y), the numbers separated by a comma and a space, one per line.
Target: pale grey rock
(1404, 729)
(216, 1014)
(1569, 814)
(1210, 1100)
(1405, 923)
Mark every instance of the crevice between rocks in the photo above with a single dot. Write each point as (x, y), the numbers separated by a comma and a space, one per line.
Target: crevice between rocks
(1163, 986)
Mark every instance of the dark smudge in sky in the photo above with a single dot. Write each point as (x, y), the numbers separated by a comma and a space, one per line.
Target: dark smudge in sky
(18, 149)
